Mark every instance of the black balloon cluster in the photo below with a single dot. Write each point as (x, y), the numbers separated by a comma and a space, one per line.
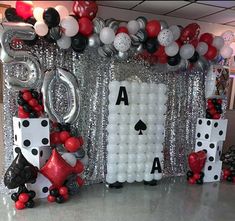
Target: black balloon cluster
(195, 178)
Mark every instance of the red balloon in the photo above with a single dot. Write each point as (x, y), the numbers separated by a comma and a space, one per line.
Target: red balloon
(196, 176)
(211, 53)
(190, 32)
(50, 198)
(27, 96)
(163, 59)
(226, 172)
(19, 205)
(85, 26)
(38, 108)
(86, 9)
(191, 180)
(55, 138)
(219, 101)
(66, 196)
(22, 113)
(63, 190)
(72, 144)
(210, 106)
(179, 42)
(207, 38)
(23, 197)
(212, 111)
(57, 169)
(122, 30)
(33, 102)
(216, 116)
(194, 42)
(153, 28)
(79, 167)
(64, 135)
(209, 101)
(80, 181)
(196, 161)
(160, 52)
(24, 9)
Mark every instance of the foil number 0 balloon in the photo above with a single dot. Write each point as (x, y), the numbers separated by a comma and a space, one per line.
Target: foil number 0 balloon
(9, 31)
(71, 84)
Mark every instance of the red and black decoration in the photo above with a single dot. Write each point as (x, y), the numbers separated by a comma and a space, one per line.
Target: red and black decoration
(58, 195)
(214, 108)
(196, 161)
(30, 104)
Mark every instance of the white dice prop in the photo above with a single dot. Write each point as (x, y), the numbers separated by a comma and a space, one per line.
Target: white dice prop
(41, 186)
(213, 149)
(31, 132)
(211, 130)
(212, 171)
(37, 156)
(135, 131)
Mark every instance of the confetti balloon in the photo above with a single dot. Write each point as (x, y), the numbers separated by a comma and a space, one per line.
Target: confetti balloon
(122, 42)
(86, 9)
(165, 37)
(226, 51)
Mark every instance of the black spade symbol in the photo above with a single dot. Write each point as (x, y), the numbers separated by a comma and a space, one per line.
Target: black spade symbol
(19, 173)
(140, 125)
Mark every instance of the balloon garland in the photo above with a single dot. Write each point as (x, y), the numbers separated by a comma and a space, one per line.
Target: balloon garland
(154, 40)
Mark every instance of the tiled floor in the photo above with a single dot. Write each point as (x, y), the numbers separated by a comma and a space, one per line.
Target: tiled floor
(173, 200)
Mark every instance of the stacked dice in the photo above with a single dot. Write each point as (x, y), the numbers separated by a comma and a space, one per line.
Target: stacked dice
(31, 138)
(210, 135)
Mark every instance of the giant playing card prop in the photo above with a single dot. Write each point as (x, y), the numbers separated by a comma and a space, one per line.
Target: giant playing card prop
(135, 131)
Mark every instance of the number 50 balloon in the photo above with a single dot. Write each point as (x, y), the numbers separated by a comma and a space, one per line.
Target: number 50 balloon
(70, 81)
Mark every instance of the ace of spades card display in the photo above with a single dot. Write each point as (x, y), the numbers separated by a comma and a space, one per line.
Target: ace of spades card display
(135, 131)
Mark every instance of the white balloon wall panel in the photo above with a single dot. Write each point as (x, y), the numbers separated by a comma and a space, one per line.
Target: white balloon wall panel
(135, 131)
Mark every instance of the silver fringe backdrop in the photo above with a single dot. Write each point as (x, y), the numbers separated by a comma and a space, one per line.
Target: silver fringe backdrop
(186, 102)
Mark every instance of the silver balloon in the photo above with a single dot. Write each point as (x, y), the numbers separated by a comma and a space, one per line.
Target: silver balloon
(71, 84)
(184, 65)
(202, 64)
(122, 55)
(94, 40)
(80, 154)
(98, 24)
(163, 24)
(140, 48)
(23, 31)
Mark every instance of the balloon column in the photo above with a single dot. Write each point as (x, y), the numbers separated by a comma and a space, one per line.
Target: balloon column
(154, 40)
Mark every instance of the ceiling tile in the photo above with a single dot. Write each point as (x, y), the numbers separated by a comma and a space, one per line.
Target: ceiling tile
(220, 17)
(225, 4)
(194, 11)
(159, 7)
(231, 23)
(119, 4)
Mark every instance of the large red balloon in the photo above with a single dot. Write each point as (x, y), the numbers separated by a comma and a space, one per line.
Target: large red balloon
(72, 144)
(153, 28)
(207, 38)
(86, 9)
(190, 32)
(24, 9)
(211, 53)
(85, 26)
(196, 161)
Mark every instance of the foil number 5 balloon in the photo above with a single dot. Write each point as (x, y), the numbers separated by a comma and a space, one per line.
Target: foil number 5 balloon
(72, 87)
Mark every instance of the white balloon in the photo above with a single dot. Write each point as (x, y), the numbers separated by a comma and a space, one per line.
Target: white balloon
(38, 13)
(148, 177)
(165, 37)
(64, 42)
(123, 129)
(226, 51)
(112, 128)
(139, 177)
(40, 28)
(131, 178)
(132, 149)
(112, 158)
(112, 168)
(123, 158)
(140, 167)
(111, 178)
(107, 35)
(123, 148)
(157, 176)
(172, 49)
(218, 42)
(202, 48)
(69, 158)
(121, 177)
(122, 42)
(131, 168)
(70, 26)
(141, 157)
(133, 26)
(122, 167)
(62, 10)
(175, 31)
(131, 158)
(112, 148)
(113, 139)
(187, 51)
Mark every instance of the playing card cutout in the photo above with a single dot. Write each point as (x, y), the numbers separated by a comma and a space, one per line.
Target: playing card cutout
(140, 125)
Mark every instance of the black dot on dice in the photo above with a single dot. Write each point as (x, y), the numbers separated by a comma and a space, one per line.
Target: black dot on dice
(216, 124)
(25, 123)
(207, 136)
(44, 123)
(199, 144)
(219, 153)
(15, 137)
(34, 152)
(200, 121)
(45, 141)
(45, 189)
(17, 150)
(27, 143)
(209, 168)
(198, 134)
(41, 153)
(221, 133)
(212, 145)
(216, 177)
(205, 150)
(208, 123)
(19, 125)
(211, 158)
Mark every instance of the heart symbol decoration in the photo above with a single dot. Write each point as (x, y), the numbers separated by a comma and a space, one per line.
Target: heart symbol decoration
(196, 161)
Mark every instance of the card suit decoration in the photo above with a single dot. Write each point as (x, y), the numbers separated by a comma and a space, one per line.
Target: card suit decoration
(140, 126)
(196, 161)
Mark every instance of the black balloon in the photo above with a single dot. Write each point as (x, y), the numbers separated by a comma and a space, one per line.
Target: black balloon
(214, 101)
(200, 181)
(31, 20)
(59, 199)
(194, 58)
(48, 38)
(29, 204)
(31, 42)
(11, 15)
(208, 116)
(54, 192)
(174, 60)
(27, 108)
(79, 43)
(51, 17)
(14, 196)
(189, 173)
(151, 45)
(19, 173)
(55, 33)
(31, 194)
